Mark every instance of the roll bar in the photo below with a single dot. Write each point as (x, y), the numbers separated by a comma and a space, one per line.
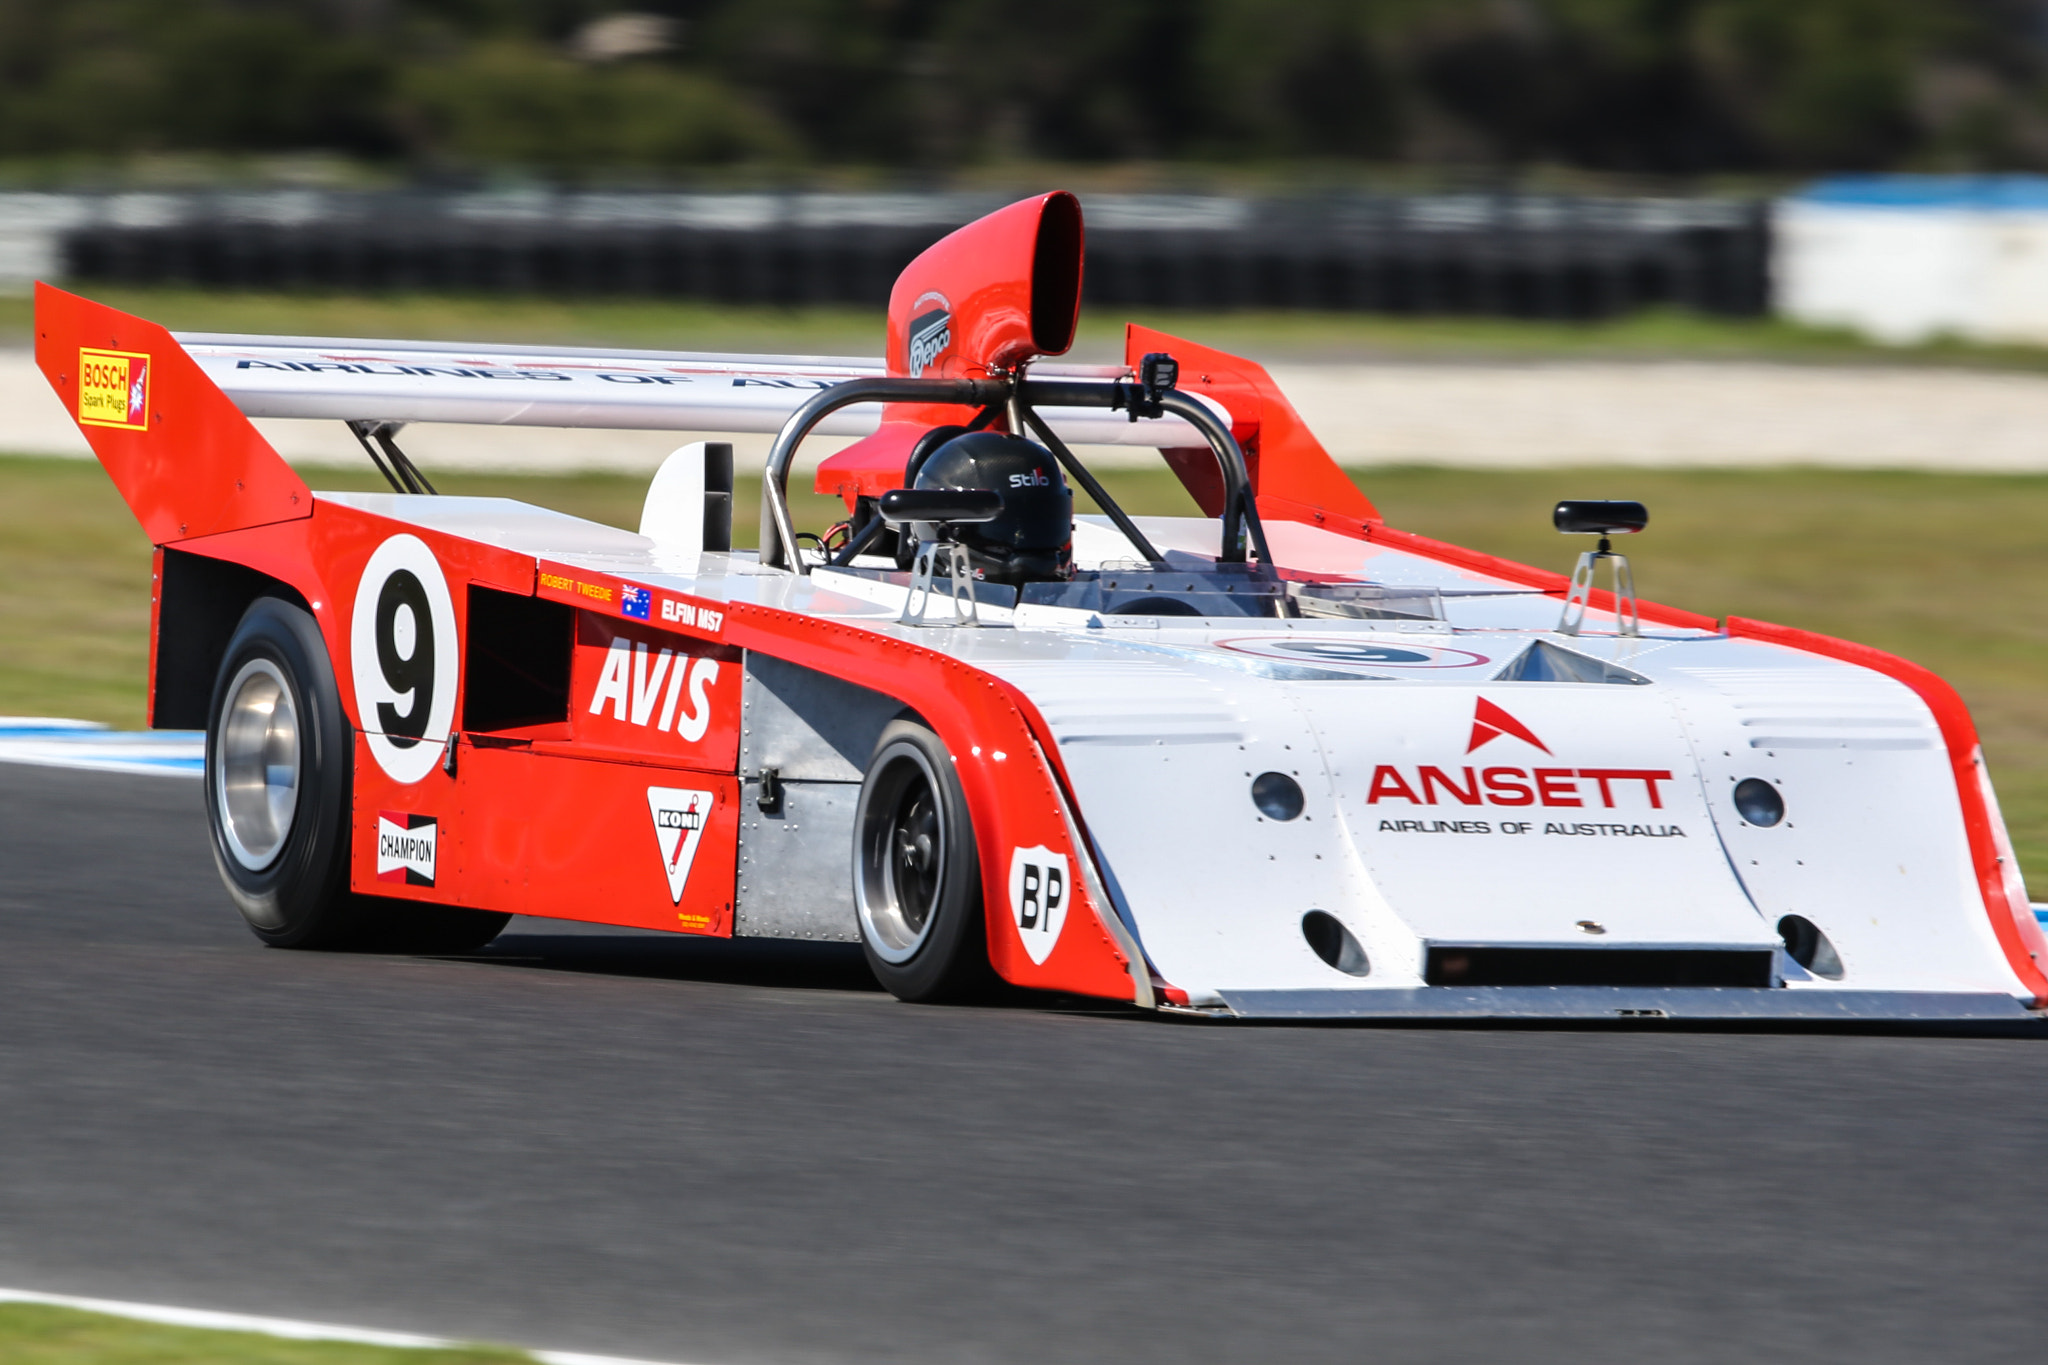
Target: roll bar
(1240, 508)
(778, 531)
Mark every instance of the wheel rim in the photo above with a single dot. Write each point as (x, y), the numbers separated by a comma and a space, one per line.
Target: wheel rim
(256, 764)
(903, 854)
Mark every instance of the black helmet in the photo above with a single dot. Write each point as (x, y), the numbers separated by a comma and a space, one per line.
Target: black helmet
(1033, 539)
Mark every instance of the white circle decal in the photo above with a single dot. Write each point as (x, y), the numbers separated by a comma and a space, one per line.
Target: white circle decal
(1329, 650)
(402, 651)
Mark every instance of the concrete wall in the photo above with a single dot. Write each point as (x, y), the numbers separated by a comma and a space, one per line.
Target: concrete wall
(1909, 258)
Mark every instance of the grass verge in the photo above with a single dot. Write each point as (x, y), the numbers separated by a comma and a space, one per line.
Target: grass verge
(1950, 571)
(40, 1334)
(1276, 336)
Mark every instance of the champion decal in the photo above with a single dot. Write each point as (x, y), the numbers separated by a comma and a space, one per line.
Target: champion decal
(407, 845)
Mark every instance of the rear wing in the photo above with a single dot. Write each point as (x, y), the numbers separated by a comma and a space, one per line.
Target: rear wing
(168, 414)
(406, 381)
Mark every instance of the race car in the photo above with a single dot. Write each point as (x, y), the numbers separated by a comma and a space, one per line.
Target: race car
(1280, 760)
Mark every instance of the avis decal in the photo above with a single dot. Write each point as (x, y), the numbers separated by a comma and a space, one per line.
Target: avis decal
(632, 681)
(113, 389)
(402, 650)
(1038, 898)
(406, 845)
(930, 332)
(679, 816)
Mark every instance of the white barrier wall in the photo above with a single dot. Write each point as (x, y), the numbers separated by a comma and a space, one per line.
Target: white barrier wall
(1909, 258)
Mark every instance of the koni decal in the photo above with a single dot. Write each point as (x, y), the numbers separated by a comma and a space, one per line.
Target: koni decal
(680, 815)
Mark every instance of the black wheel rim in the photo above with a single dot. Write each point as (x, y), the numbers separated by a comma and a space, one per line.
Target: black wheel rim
(903, 854)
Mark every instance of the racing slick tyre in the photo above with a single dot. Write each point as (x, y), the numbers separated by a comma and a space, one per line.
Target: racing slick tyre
(278, 751)
(916, 877)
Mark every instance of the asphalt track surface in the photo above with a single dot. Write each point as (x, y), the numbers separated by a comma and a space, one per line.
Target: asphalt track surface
(718, 1153)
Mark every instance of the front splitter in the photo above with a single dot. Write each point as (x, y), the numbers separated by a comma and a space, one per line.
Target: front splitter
(1628, 1002)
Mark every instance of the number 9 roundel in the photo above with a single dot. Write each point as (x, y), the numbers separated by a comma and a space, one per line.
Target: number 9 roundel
(402, 651)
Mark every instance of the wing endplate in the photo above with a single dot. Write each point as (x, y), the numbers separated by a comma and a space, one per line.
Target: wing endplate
(1293, 476)
(184, 457)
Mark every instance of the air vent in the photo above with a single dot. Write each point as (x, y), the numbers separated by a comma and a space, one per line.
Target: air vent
(516, 663)
(1543, 661)
(1449, 965)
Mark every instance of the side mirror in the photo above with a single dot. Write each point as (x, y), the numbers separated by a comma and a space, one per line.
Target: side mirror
(902, 506)
(1584, 517)
(1587, 517)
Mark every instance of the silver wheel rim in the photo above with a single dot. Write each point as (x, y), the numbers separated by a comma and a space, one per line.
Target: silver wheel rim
(902, 852)
(256, 764)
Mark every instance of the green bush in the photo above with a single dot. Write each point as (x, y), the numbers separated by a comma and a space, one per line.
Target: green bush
(1623, 85)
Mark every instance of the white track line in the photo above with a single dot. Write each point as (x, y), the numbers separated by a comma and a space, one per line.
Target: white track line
(283, 1327)
(59, 743)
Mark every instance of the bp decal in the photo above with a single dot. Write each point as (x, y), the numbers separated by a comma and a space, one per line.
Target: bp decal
(1038, 898)
(402, 650)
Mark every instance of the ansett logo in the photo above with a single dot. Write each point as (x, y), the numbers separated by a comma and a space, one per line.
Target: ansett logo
(1430, 785)
(1490, 722)
(632, 683)
(406, 844)
(930, 332)
(113, 389)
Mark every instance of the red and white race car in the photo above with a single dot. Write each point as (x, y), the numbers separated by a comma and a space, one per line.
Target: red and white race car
(1281, 760)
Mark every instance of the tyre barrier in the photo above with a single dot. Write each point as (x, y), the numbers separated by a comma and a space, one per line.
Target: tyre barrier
(1496, 255)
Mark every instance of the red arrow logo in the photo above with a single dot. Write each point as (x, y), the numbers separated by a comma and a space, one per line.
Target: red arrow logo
(1489, 723)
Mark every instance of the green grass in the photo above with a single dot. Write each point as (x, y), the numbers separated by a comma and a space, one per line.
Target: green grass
(1949, 570)
(38, 1334)
(1291, 336)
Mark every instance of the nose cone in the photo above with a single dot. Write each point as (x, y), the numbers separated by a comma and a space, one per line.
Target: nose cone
(1509, 814)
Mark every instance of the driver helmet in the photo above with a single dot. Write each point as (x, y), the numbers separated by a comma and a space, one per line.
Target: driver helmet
(1033, 539)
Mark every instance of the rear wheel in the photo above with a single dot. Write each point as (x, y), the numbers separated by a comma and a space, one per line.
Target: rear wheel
(916, 877)
(278, 751)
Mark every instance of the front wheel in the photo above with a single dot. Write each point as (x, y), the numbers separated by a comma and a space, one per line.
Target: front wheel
(916, 877)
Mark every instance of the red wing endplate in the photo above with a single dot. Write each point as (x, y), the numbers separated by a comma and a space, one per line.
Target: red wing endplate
(183, 455)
